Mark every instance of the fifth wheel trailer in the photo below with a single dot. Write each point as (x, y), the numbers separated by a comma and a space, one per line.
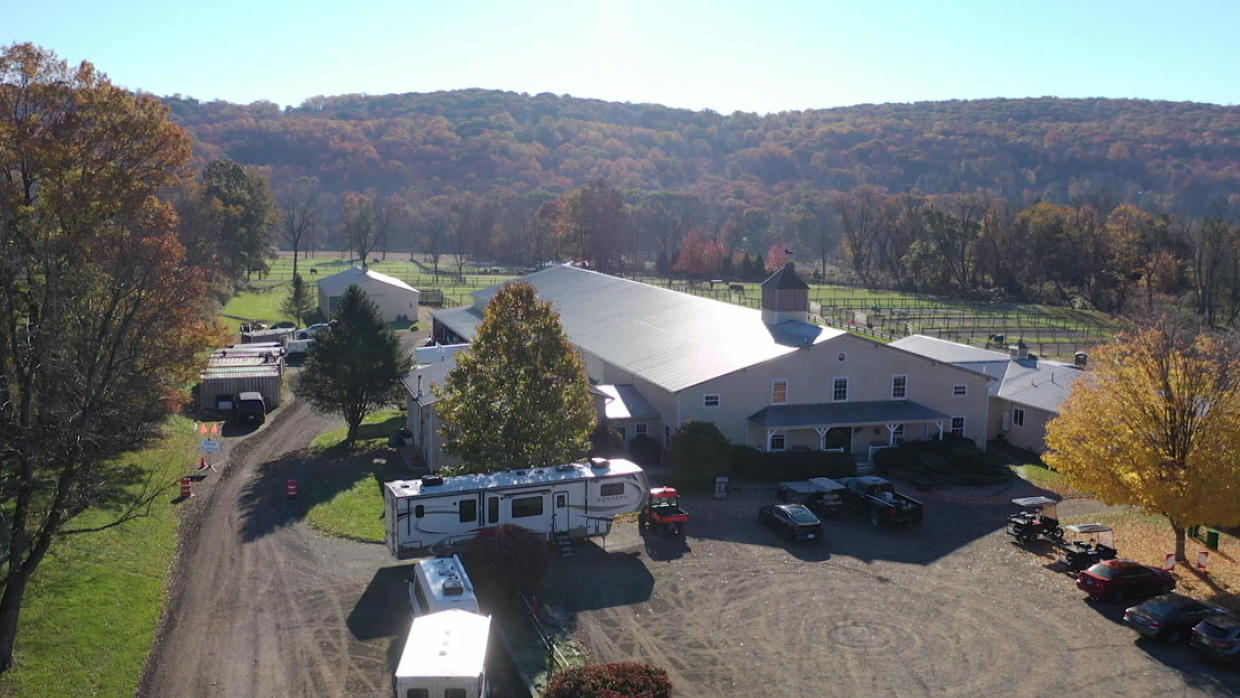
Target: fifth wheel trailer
(577, 499)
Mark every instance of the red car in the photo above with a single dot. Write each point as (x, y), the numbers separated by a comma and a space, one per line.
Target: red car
(1118, 579)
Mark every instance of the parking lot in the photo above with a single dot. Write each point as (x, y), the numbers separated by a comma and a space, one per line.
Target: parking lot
(949, 607)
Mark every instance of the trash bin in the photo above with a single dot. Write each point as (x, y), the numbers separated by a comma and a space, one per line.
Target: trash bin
(1211, 539)
(721, 486)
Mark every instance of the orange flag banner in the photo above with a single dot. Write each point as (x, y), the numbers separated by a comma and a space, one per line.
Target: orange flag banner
(215, 428)
(202, 429)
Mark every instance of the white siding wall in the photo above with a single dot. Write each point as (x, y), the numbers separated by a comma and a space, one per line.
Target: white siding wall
(868, 366)
(1032, 434)
(393, 301)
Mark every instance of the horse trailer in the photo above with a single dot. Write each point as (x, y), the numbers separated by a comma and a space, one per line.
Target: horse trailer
(444, 656)
(578, 500)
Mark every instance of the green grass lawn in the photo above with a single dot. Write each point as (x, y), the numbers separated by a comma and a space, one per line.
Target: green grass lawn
(1041, 476)
(91, 611)
(348, 501)
(262, 303)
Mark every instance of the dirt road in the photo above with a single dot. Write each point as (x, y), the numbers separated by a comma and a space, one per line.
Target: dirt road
(262, 606)
(950, 607)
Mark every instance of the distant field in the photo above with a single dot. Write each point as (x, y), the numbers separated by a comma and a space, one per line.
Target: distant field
(91, 610)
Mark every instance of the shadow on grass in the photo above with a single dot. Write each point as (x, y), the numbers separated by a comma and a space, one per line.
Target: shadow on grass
(266, 506)
(370, 435)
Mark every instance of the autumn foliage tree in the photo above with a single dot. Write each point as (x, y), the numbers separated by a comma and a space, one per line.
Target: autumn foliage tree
(519, 396)
(102, 323)
(700, 256)
(1156, 424)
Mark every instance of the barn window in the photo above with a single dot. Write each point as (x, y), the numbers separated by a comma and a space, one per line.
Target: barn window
(779, 392)
(1018, 416)
(839, 390)
(527, 506)
(639, 429)
(960, 390)
(899, 387)
(958, 426)
(710, 400)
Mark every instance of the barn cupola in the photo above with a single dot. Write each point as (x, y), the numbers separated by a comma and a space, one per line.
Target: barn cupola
(785, 297)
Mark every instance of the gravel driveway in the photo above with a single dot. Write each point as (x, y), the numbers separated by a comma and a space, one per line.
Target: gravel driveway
(949, 607)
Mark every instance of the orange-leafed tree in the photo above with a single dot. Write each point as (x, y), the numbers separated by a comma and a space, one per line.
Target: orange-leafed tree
(1156, 425)
(102, 322)
(700, 256)
(777, 257)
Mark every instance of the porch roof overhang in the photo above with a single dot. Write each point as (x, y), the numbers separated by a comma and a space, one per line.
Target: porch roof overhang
(827, 414)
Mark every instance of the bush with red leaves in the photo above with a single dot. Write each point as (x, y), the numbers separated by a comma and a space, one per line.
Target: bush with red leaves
(615, 680)
(506, 560)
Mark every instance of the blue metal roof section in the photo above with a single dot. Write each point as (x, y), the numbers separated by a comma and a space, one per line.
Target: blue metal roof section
(844, 413)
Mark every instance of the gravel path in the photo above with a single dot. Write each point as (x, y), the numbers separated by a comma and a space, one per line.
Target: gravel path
(261, 605)
(950, 607)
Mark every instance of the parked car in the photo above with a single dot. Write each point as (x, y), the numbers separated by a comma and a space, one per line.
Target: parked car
(1169, 617)
(1218, 637)
(311, 331)
(877, 498)
(1118, 579)
(250, 408)
(791, 521)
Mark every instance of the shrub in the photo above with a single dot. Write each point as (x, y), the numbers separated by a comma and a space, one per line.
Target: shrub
(506, 560)
(699, 452)
(952, 461)
(605, 442)
(615, 680)
(791, 465)
(314, 317)
(645, 451)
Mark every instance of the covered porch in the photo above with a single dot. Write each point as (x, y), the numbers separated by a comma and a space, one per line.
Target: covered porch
(859, 428)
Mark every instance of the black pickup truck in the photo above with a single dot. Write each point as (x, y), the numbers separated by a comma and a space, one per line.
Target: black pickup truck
(877, 497)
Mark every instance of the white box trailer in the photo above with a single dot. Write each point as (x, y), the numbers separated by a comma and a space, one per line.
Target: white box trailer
(577, 499)
(439, 584)
(444, 656)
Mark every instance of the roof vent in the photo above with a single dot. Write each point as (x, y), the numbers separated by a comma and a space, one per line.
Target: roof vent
(1080, 358)
(431, 480)
(453, 587)
(600, 463)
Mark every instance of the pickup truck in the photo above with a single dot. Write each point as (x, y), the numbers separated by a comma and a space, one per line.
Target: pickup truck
(877, 497)
(820, 494)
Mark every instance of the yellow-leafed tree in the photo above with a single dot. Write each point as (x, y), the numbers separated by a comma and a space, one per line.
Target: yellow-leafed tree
(1156, 425)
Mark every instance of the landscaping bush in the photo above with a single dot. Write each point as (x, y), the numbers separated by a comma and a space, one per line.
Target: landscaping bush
(792, 465)
(506, 560)
(645, 451)
(605, 442)
(952, 461)
(615, 680)
(699, 452)
(314, 317)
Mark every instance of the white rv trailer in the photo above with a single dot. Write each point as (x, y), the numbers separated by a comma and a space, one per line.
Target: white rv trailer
(440, 583)
(577, 499)
(444, 656)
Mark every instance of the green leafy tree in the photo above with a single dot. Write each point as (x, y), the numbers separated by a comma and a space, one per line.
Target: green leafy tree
(519, 396)
(300, 300)
(102, 322)
(357, 366)
(699, 452)
(244, 215)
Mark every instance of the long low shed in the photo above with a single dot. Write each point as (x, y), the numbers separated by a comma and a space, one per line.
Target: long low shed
(226, 382)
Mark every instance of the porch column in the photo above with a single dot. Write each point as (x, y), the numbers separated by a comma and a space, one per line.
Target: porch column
(891, 434)
(822, 437)
(770, 433)
(940, 426)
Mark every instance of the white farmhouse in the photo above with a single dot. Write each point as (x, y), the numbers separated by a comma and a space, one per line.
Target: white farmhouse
(397, 300)
(1026, 395)
(767, 378)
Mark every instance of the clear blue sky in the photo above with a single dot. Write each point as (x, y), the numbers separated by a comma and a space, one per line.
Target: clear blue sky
(758, 56)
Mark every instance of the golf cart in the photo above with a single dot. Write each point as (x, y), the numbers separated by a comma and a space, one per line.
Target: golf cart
(1037, 519)
(1088, 545)
(663, 510)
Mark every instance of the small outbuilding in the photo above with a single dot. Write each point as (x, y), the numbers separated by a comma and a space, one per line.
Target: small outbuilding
(397, 300)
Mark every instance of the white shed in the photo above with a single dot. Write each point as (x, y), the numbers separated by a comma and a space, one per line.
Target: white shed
(396, 299)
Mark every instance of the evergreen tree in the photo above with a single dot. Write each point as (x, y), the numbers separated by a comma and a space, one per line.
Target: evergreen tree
(519, 396)
(357, 366)
(300, 302)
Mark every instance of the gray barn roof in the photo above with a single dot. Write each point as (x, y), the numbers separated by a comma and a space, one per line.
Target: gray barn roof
(831, 413)
(342, 280)
(1030, 382)
(672, 339)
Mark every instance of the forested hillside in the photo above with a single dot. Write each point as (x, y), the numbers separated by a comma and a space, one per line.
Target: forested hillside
(1094, 201)
(1160, 155)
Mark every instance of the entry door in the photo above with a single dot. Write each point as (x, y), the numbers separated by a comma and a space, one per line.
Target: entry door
(840, 437)
(559, 512)
(1007, 420)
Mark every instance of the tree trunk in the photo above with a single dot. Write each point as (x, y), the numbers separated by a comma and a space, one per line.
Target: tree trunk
(1180, 555)
(294, 261)
(10, 611)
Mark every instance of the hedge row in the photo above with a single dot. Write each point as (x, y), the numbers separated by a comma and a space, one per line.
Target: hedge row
(615, 680)
(790, 465)
(951, 461)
